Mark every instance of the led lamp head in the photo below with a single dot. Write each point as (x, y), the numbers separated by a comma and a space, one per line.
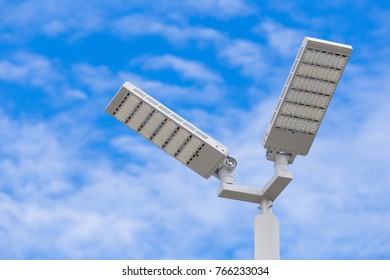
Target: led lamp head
(161, 126)
(305, 98)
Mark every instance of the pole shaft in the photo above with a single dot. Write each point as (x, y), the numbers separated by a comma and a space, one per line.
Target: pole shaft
(266, 232)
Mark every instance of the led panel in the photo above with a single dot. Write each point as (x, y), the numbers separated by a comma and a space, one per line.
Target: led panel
(306, 95)
(161, 126)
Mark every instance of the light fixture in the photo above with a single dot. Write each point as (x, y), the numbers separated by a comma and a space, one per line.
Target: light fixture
(170, 132)
(305, 97)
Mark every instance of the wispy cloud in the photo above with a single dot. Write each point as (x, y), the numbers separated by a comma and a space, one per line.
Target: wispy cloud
(188, 69)
(102, 81)
(38, 71)
(225, 8)
(177, 33)
(237, 53)
(247, 56)
(28, 68)
(284, 40)
(49, 18)
(36, 156)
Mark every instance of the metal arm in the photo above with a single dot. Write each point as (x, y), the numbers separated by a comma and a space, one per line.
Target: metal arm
(271, 190)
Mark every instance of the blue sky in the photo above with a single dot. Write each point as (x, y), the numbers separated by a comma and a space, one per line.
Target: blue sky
(77, 184)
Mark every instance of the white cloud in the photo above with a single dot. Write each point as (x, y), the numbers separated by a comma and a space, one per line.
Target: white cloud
(285, 40)
(240, 53)
(225, 8)
(100, 79)
(133, 147)
(247, 56)
(54, 28)
(188, 69)
(50, 18)
(141, 25)
(30, 69)
(41, 179)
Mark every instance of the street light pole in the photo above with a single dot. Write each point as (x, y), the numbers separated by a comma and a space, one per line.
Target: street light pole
(305, 98)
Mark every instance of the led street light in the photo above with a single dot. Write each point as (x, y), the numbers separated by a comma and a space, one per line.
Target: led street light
(305, 97)
(164, 128)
